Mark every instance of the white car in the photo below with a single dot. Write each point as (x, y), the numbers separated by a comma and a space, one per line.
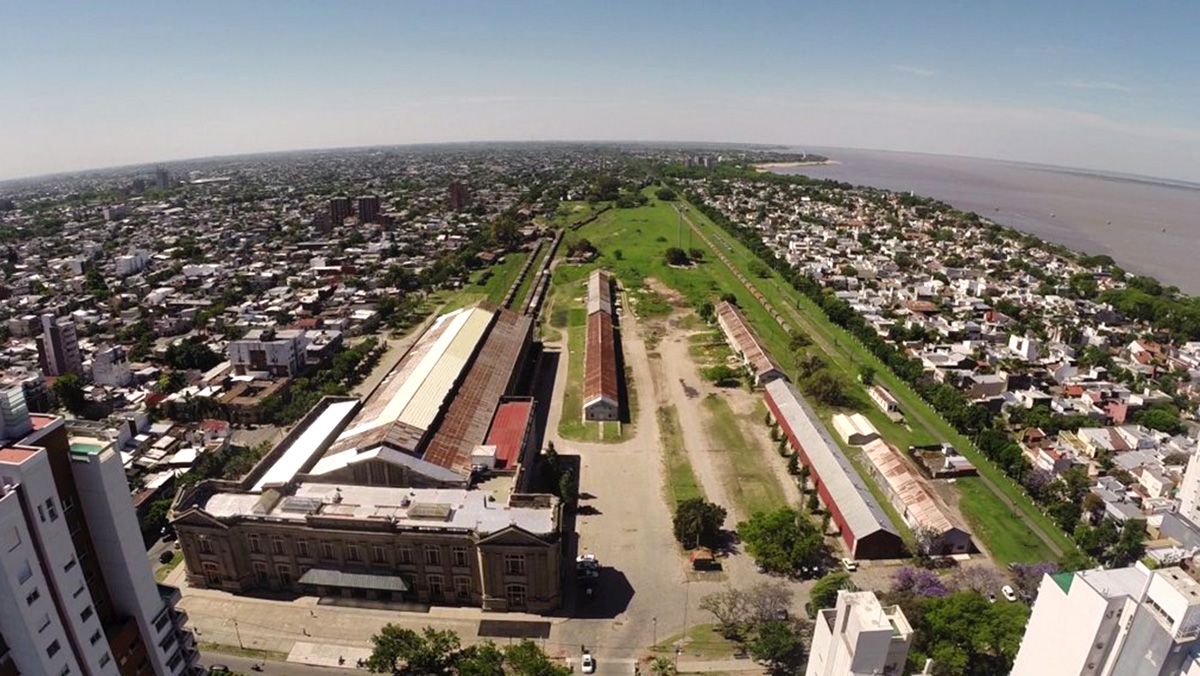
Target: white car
(850, 565)
(587, 665)
(1008, 593)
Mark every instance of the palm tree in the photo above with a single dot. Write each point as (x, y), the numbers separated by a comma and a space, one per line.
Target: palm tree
(662, 666)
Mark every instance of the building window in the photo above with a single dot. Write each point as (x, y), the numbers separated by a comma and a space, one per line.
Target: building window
(52, 649)
(460, 557)
(327, 550)
(25, 572)
(378, 554)
(285, 575)
(276, 544)
(32, 596)
(70, 564)
(435, 586)
(514, 564)
(68, 504)
(104, 660)
(302, 548)
(253, 541)
(44, 623)
(87, 614)
(41, 514)
(205, 546)
(516, 595)
(212, 575)
(51, 509)
(404, 555)
(462, 588)
(352, 553)
(65, 670)
(433, 555)
(95, 637)
(260, 572)
(163, 618)
(75, 594)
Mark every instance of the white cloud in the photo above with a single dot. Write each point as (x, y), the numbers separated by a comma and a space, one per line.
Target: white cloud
(1095, 85)
(913, 70)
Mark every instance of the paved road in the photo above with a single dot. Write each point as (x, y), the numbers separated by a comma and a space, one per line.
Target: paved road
(244, 665)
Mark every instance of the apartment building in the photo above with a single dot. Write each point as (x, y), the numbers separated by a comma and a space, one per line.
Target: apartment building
(1113, 622)
(267, 351)
(859, 636)
(58, 347)
(78, 594)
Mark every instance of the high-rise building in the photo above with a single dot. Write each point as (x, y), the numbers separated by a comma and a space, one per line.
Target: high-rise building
(14, 413)
(162, 178)
(1113, 622)
(459, 198)
(58, 347)
(339, 210)
(110, 366)
(368, 209)
(1189, 490)
(859, 636)
(77, 595)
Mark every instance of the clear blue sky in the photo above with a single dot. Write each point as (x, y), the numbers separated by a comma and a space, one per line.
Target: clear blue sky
(1099, 84)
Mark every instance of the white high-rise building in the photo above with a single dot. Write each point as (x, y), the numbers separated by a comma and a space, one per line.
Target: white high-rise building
(1189, 490)
(58, 347)
(110, 366)
(859, 637)
(77, 595)
(1112, 623)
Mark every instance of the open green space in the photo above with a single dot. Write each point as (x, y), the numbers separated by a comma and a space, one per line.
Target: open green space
(752, 483)
(490, 284)
(165, 569)
(699, 640)
(1004, 531)
(846, 354)
(681, 483)
(567, 308)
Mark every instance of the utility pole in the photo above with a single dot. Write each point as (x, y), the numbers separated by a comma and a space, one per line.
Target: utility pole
(239, 634)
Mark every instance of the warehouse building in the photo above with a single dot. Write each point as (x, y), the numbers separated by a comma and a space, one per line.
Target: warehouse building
(914, 501)
(601, 395)
(381, 499)
(746, 344)
(864, 526)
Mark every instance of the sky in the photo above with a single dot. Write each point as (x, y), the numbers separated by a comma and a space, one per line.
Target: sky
(1104, 84)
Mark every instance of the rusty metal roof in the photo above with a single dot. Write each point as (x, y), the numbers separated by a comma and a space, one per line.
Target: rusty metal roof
(600, 359)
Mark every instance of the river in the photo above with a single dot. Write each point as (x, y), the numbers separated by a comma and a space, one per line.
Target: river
(1149, 226)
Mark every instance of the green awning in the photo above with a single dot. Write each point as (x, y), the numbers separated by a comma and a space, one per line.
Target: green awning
(326, 577)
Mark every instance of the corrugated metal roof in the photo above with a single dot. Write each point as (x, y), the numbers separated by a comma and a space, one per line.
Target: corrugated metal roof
(920, 510)
(508, 430)
(599, 294)
(862, 513)
(445, 370)
(310, 442)
(466, 422)
(743, 339)
(600, 359)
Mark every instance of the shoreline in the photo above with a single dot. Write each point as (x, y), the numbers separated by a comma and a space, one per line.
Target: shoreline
(774, 166)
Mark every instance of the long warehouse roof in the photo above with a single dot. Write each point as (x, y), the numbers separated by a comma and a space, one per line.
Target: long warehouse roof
(917, 500)
(745, 341)
(600, 359)
(311, 441)
(599, 292)
(862, 513)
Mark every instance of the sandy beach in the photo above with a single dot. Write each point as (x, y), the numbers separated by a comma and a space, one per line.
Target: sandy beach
(776, 166)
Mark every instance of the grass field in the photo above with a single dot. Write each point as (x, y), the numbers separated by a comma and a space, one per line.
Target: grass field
(700, 640)
(567, 308)
(499, 278)
(681, 483)
(988, 506)
(752, 483)
(165, 569)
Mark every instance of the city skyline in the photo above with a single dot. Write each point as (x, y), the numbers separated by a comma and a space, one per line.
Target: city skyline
(1108, 90)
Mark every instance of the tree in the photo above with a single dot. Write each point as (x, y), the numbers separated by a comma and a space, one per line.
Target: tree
(69, 390)
(191, 354)
(1130, 545)
(484, 659)
(793, 464)
(919, 581)
(172, 381)
(662, 666)
(156, 516)
(665, 194)
(675, 256)
(964, 634)
(1027, 577)
(866, 374)
(568, 489)
(695, 254)
(826, 388)
(527, 659)
(824, 592)
(731, 608)
(777, 644)
(403, 651)
(698, 522)
(768, 600)
(980, 579)
(782, 540)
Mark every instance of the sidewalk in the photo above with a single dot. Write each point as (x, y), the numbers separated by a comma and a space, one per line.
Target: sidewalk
(328, 655)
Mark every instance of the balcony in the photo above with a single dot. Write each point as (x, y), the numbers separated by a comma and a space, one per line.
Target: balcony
(180, 619)
(170, 595)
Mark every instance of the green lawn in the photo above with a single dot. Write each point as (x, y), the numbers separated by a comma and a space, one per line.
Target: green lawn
(165, 569)
(501, 278)
(700, 640)
(681, 481)
(752, 483)
(1005, 532)
(846, 354)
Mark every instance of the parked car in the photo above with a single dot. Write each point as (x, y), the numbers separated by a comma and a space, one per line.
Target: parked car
(587, 665)
(1008, 593)
(850, 565)
(219, 669)
(166, 556)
